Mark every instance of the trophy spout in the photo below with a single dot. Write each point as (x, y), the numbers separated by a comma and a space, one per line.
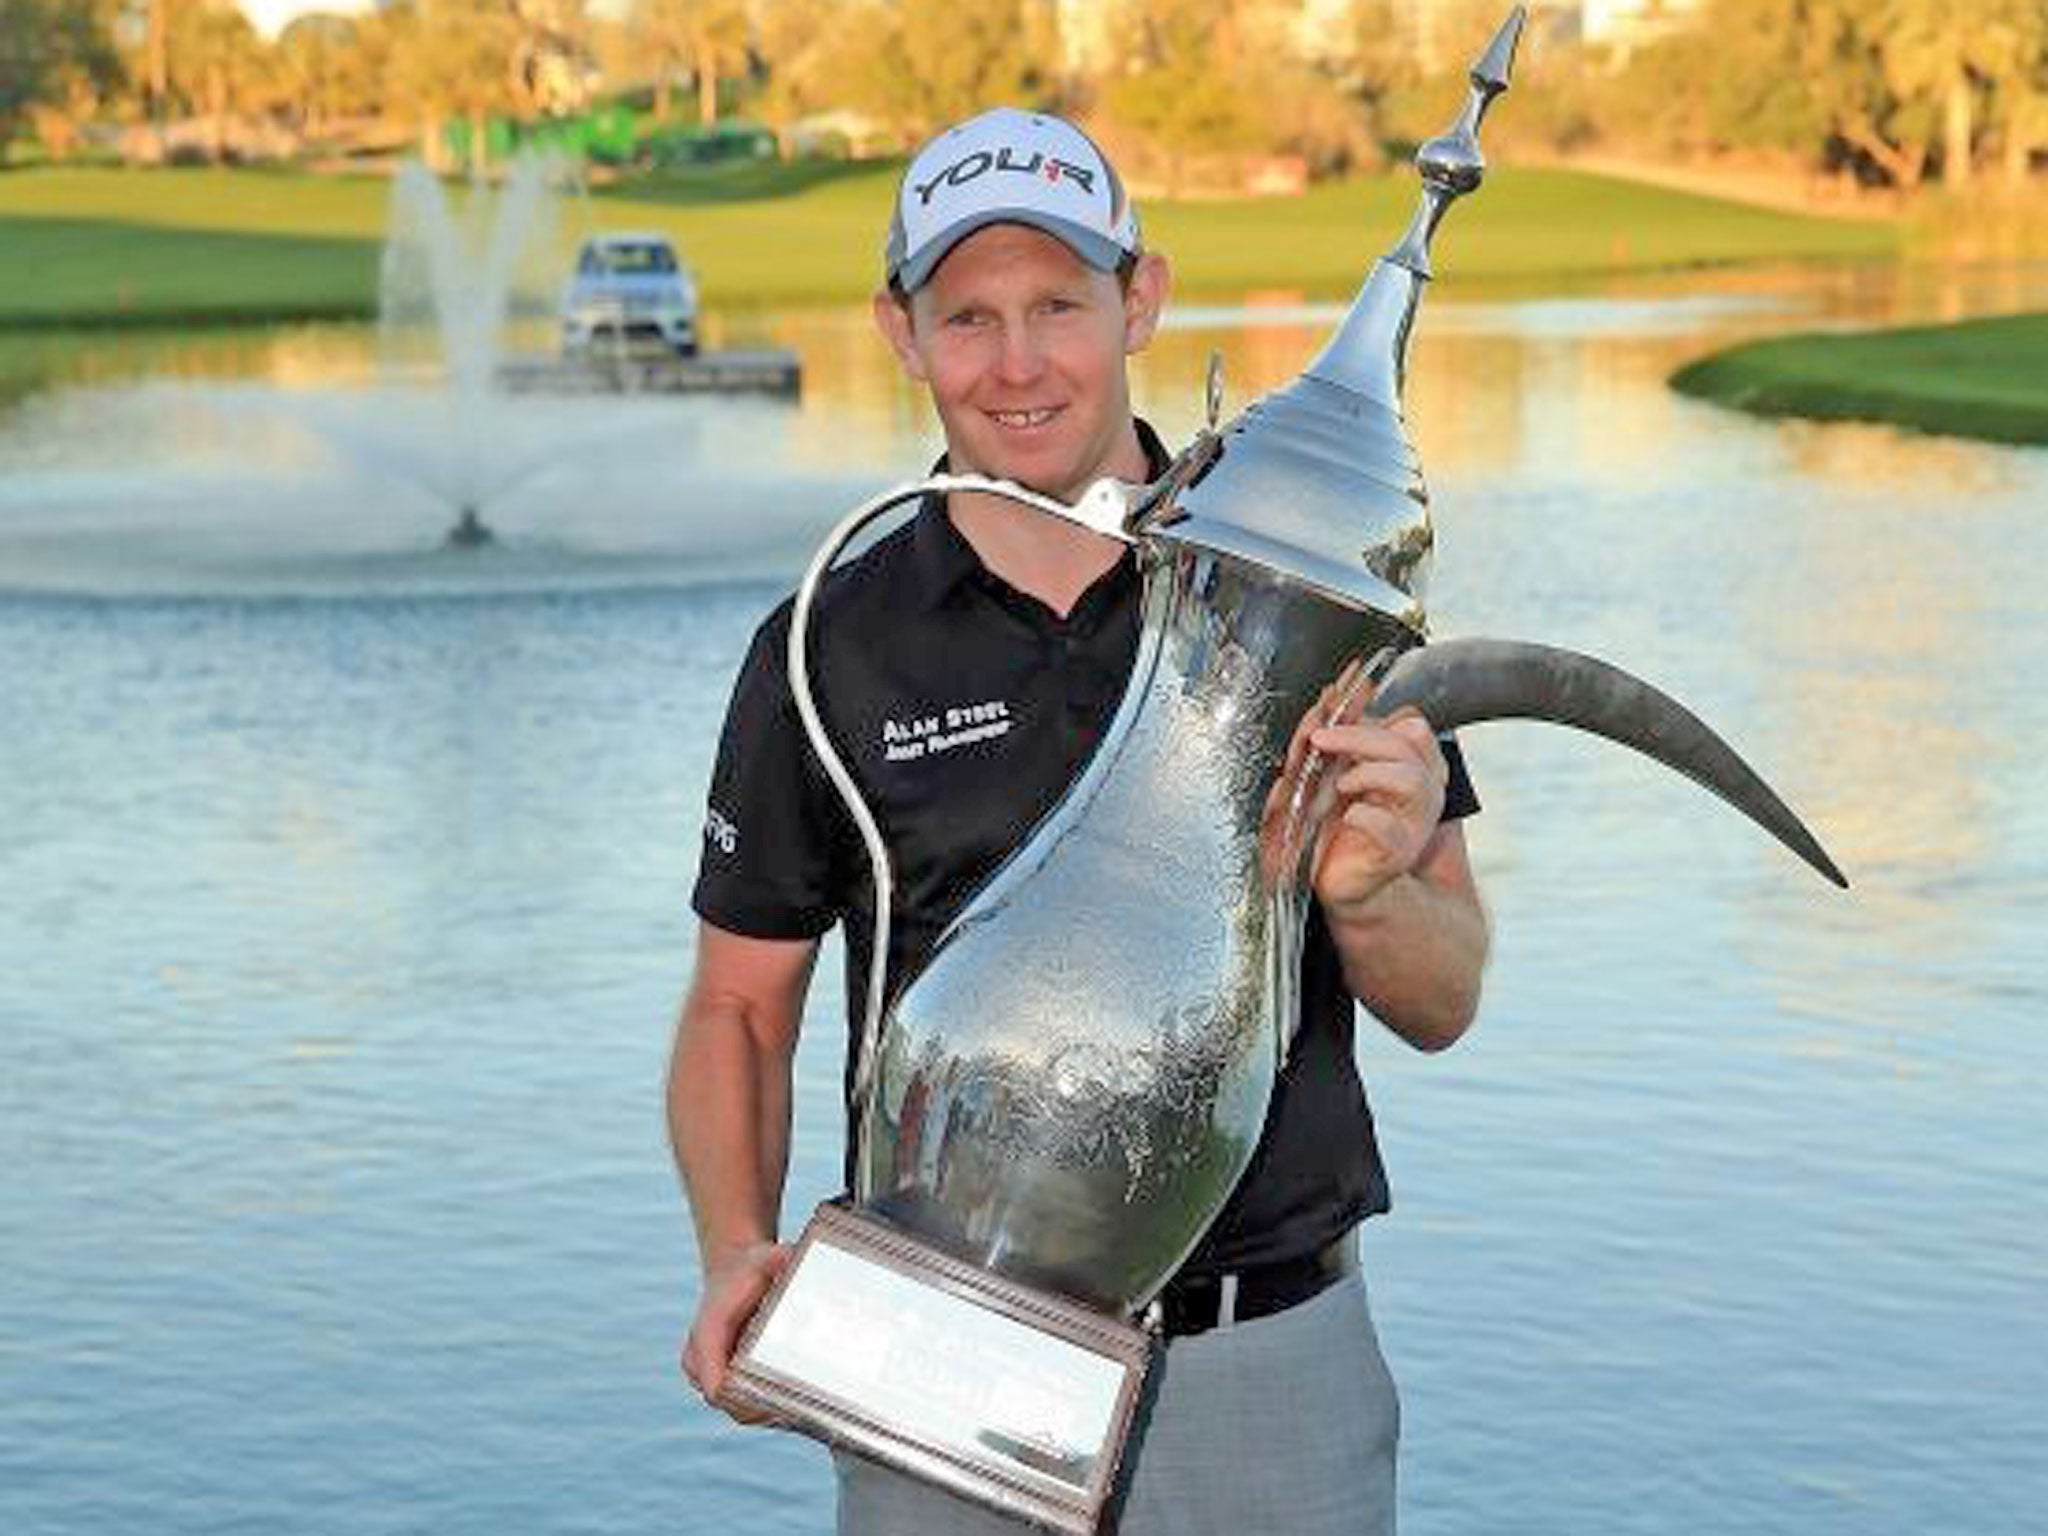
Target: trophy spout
(1463, 682)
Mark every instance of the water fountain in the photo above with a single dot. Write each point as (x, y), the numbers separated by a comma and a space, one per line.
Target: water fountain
(346, 460)
(447, 449)
(458, 291)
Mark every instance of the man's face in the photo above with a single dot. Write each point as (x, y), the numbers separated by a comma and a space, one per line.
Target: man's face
(1022, 345)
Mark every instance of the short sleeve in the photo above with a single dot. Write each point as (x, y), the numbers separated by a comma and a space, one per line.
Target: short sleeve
(773, 827)
(1460, 798)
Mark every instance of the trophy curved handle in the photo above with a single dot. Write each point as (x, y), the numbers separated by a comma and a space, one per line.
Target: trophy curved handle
(1107, 506)
(1463, 682)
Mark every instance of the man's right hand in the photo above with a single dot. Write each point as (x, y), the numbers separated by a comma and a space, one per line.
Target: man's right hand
(733, 1289)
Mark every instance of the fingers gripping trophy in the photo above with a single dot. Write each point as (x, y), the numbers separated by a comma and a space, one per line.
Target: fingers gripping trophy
(1052, 1109)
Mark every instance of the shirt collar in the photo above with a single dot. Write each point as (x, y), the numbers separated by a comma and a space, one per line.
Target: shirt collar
(943, 557)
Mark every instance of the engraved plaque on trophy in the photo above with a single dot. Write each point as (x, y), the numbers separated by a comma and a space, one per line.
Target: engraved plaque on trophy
(1003, 1394)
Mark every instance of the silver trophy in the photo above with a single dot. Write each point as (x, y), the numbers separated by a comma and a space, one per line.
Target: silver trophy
(1056, 1107)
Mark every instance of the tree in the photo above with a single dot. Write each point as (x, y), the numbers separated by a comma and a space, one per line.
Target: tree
(1927, 57)
(371, 70)
(156, 68)
(553, 57)
(2025, 125)
(911, 66)
(1216, 79)
(317, 67)
(56, 61)
(1377, 56)
(1186, 78)
(708, 38)
(1838, 66)
(1885, 88)
(1806, 77)
(2013, 58)
(217, 66)
(962, 58)
(456, 59)
(795, 40)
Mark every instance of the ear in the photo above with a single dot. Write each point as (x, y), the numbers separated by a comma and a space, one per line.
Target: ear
(893, 319)
(1145, 298)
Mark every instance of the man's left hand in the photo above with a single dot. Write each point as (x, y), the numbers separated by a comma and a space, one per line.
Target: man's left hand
(1389, 778)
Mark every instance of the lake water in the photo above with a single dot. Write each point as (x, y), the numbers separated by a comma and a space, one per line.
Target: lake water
(345, 912)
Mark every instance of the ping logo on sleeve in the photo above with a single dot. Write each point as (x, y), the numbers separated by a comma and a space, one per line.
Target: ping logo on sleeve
(720, 832)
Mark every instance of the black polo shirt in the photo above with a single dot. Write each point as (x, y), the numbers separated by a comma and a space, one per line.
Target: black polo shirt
(964, 709)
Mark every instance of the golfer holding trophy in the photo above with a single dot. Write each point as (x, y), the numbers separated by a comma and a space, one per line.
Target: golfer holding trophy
(1125, 773)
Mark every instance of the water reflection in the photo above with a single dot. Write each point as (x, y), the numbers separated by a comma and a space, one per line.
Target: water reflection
(1895, 633)
(1489, 376)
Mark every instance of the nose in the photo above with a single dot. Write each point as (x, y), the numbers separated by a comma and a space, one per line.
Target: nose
(1022, 358)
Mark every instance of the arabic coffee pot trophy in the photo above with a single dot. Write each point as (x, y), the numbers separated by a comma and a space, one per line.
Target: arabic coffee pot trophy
(1055, 1107)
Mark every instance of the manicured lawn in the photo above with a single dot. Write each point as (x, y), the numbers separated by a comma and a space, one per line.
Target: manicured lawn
(111, 247)
(108, 246)
(65, 272)
(1982, 378)
(1534, 226)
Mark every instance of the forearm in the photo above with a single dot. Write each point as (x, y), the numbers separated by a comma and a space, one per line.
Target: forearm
(1413, 953)
(728, 1120)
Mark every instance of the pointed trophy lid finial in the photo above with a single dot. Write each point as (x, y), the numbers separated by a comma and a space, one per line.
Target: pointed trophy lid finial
(1498, 62)
(1369, 353)
(1319, 480)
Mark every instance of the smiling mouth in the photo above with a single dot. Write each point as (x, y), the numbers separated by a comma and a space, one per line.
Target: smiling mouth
(1018, 420)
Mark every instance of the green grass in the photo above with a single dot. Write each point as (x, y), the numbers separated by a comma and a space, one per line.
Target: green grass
(99, 272)
(741, 181)
(824, 244)
(114, 247)
(131, 247)
(1535, 226)
(1985, 379)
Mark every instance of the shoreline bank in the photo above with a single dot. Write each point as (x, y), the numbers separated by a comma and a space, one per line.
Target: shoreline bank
(1985, 379)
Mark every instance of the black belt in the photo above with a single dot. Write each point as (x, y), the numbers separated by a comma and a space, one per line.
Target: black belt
(1195, 1304)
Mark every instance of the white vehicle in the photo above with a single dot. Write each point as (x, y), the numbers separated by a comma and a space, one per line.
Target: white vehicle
(629, 292)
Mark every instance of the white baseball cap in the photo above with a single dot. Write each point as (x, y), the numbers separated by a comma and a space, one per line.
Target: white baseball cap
(1008, 167)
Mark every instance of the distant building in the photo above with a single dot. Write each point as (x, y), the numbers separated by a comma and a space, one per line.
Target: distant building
(271, 17)
(1627, 24)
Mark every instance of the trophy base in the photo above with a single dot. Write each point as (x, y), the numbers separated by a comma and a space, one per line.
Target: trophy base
(1015, 1398)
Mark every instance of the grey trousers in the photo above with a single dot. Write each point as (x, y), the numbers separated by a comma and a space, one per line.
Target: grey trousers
(1284, 1424)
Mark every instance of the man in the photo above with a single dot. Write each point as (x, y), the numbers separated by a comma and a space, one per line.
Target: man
(1016, 288)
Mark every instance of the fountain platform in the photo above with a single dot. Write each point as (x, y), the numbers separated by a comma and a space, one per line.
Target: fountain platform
(756, 370)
